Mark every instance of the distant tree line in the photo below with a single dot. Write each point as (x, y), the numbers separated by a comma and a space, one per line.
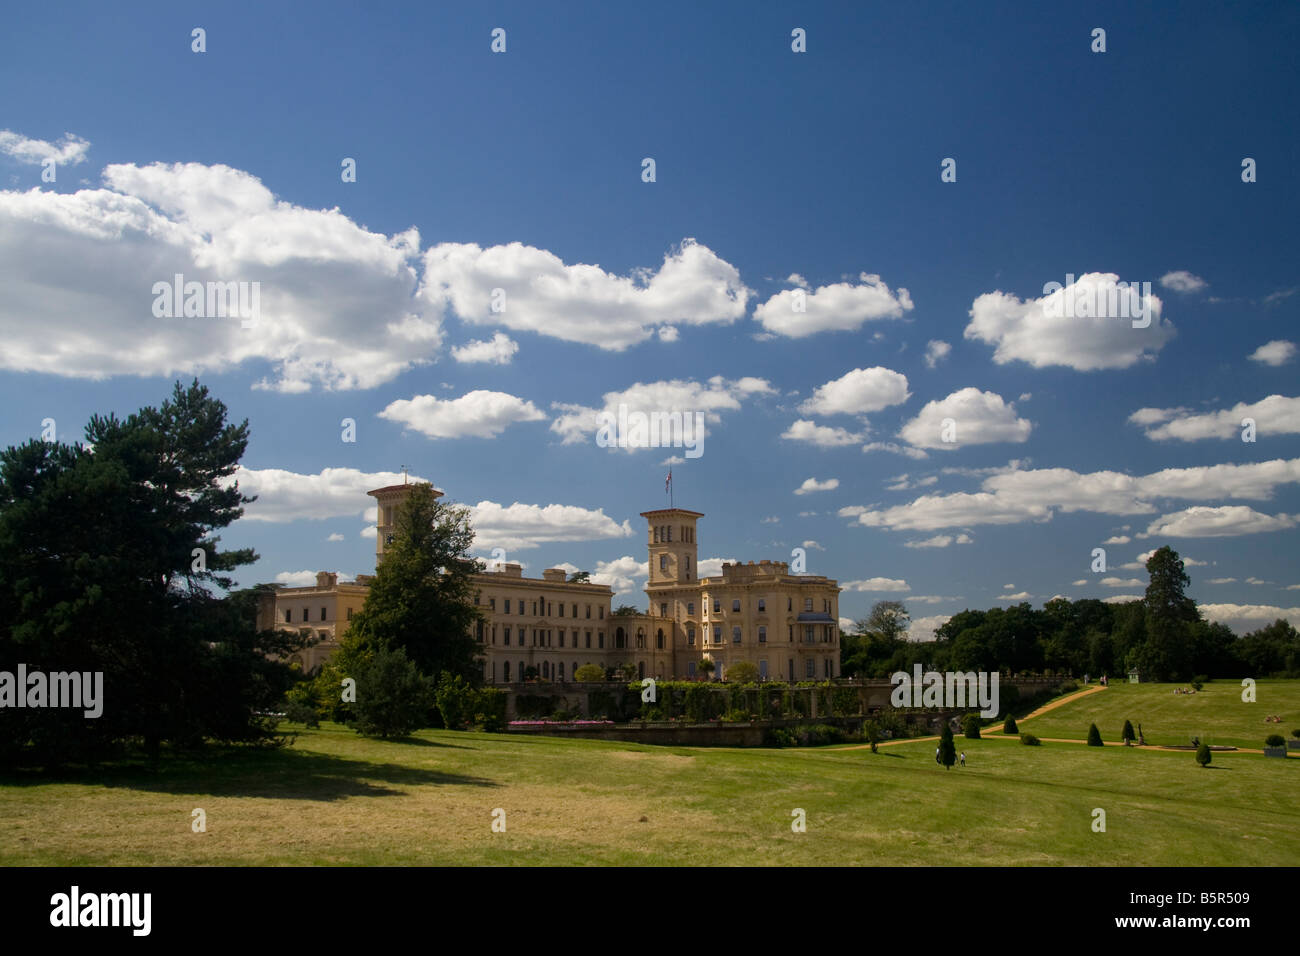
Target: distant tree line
(1163, 636)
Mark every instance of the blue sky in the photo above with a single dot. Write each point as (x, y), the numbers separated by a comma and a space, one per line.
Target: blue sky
(776, 173)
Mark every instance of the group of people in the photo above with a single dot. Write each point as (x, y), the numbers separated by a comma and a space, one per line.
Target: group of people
(1184, 690)
(1273, 719)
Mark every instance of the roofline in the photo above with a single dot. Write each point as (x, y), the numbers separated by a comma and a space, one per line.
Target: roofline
(672, 511)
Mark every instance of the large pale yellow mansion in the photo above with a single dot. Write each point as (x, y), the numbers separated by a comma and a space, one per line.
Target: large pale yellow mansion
(786, 624)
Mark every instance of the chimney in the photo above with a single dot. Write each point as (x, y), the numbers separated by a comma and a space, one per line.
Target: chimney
(555, 574)
(326, 579)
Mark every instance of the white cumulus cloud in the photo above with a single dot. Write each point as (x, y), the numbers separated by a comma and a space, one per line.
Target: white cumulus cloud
(842, 307)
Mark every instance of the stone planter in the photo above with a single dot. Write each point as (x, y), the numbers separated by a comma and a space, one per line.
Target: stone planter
(1274, 751)
(1293, 744)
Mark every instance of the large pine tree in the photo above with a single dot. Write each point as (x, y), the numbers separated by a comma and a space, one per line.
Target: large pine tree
(107, 560)
(1170, 615)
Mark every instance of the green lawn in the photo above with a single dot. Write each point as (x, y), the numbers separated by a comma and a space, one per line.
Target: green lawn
(336, 798)
(1216, 713)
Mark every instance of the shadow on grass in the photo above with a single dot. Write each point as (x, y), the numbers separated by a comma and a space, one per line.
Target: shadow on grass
(279, 774)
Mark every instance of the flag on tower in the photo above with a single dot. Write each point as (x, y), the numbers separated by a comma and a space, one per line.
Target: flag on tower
(668, 481)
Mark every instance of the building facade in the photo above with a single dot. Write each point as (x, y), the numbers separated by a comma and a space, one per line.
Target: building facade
(785, 624)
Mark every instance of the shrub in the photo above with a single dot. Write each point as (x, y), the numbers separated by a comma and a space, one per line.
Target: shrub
(1200, 679)
(1010, 726)
(819, 734)
(589, 672)
(1197, 685)
(1128, 731)
(1203, 754)
(970, 726)
(1029, 740)
(871, 731)
(742, 672)
(781, 737)
(1295, 733)
(393, 697)
(1275, 740)
(300, 713)
(1094, 736)
(1067, 687)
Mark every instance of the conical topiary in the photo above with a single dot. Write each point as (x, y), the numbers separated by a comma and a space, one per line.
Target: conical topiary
(1094, 736)
(1009, 727)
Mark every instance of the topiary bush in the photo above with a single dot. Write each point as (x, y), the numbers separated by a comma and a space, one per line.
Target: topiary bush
(1009, 727)
(1275, 740)
(1203, 754)
(1029, 740)
(970, 726)
(1128, 731)
(947, 750)
(1094, 736)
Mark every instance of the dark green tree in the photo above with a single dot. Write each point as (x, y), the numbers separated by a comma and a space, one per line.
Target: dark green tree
(1009, 725)
(970, 726)
(1128, 733)
(1170, 614)
(393, 697)
(108, 558)
(947, 750)
(422, 598)
(1094, 736)
(580, 577)
(1203, 754)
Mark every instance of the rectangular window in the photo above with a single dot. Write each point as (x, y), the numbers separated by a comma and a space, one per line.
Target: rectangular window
(322, 614)
(717, 633)
(735, 634)
(550, 609)
(507, 606)
(589, 612)
(589, 639)
(507, 636)
(762, 635)
(505, 671)
(349, 614)
(561, 609)
(663, 610)
(762, 670)
(810, 668)
(807, 604)
(600, 639)
(735, 604)
(690, 668)
(690, 637)
(602, 613)
(792, 635)
(561, 638)
(304, 615)
(690, 608)
(717, 606)
(670, 533)
(789, 604)
(762, 605)
(826, 667)
(663, 562)
(561, 670)
(492, 603)
(288, 616)
(808, 633)
(574, 607)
